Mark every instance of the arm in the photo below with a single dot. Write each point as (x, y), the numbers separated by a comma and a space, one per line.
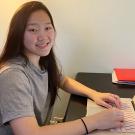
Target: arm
(29, 126)
(104, 99)
(74, 87)
(109, 118)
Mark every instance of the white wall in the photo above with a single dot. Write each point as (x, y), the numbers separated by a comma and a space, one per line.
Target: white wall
(92, 35)
(95, 35)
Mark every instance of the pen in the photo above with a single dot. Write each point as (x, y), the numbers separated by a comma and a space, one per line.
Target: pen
(133, 104)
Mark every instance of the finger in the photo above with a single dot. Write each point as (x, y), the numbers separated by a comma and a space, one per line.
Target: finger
(104, 104)
(110, 99)
(119, 114)
(121, 118)
(119, 124)
(116, 97)
(118, 101)
(113, 101)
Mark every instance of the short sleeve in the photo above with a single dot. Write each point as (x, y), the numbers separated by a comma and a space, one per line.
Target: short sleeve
(15, 95)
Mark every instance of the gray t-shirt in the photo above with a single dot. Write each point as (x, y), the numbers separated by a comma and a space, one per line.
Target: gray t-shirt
(23, 92)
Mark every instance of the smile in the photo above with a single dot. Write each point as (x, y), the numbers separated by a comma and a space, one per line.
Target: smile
(42, 46)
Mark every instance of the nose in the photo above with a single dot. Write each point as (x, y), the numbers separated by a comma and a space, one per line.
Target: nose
(42, 36)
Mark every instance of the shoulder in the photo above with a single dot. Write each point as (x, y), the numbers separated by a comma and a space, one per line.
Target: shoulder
(13, 78)
(13, 67)
(12, 73)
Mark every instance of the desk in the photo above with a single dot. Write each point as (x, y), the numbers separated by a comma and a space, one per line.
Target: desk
(99, 81)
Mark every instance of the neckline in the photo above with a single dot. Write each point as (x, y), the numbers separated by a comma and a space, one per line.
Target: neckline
(35, 68)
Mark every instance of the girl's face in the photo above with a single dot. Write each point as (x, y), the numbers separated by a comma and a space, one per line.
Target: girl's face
(39, 35)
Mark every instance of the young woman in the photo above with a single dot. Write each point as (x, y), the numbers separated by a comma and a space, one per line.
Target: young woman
(29, 79)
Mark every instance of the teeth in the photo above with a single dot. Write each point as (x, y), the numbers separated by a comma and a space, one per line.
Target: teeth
(42, 44)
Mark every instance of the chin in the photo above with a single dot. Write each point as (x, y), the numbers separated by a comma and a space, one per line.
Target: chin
(44, 54)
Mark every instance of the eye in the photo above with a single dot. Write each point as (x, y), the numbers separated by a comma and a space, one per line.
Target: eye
(34, 30)
(49, 28)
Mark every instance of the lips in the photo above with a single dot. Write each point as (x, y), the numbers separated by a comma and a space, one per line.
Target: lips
(42, 45)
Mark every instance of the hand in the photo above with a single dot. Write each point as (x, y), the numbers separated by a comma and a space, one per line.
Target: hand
(107, 100)
(109, 118)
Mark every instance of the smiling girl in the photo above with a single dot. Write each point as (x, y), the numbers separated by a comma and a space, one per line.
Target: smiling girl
(29, 79)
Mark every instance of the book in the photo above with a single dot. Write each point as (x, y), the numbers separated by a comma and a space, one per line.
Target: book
(123, 76)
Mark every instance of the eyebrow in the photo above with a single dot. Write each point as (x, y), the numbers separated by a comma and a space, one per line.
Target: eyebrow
(35, 24)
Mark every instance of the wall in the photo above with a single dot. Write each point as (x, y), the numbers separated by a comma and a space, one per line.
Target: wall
(92, 35)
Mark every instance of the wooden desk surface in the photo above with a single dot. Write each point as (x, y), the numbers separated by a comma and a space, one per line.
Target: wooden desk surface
(99, 81)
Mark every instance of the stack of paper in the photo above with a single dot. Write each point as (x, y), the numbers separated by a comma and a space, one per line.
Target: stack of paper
(123, 76)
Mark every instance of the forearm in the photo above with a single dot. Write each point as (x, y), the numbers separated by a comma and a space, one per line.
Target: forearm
(29, 126)
(68, 128)
(74, 87)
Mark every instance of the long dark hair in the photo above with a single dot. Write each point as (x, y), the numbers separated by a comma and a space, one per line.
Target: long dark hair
(14, 45)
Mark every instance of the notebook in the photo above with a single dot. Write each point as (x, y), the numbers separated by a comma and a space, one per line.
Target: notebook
(129, 115)
(123, 76)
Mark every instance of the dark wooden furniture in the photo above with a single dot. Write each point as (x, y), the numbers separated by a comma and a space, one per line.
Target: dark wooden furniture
(99, 81)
